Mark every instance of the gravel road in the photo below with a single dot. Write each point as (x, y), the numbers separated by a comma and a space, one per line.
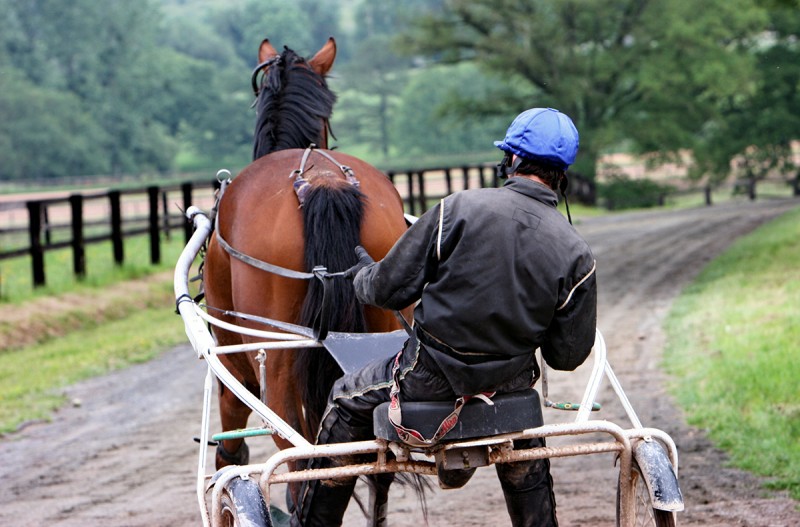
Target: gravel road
(122, 453)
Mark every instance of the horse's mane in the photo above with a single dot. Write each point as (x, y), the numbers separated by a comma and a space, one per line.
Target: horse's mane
(293, 105)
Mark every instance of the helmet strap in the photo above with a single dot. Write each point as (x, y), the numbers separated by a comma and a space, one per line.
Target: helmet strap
(562, 186)
(506, 167)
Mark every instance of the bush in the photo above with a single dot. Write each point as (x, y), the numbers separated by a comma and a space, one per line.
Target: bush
(620, 192)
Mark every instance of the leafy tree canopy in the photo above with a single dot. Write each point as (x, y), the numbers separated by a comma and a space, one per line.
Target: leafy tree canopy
(650, 73)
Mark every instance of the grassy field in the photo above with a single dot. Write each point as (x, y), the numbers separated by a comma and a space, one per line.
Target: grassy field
(16, 277)
(91, 327)
(733, 352)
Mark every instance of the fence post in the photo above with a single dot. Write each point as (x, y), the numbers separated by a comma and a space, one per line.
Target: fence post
(423, 202)
(117, 242)
(165, 212)
(465, 170)
(708, 195)
(186, 192)
(412, 204)
(78, 247)
(48, 231)
(448, 181)
(155, 246)
(35, 235)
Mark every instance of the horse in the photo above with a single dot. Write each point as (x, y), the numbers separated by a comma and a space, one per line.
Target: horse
(295, 218)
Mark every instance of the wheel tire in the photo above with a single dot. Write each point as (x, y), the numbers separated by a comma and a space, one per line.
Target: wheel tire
(644, 513)
(243, 505)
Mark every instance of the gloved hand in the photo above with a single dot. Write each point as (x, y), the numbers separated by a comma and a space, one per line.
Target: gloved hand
(364, 259)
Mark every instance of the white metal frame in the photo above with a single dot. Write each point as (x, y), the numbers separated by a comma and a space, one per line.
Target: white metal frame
(500, 449)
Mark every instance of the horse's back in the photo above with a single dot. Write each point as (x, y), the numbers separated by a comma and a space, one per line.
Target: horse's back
(260, 215)
(263, 193)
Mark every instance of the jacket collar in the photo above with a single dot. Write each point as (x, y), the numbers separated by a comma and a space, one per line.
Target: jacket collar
(532, 189)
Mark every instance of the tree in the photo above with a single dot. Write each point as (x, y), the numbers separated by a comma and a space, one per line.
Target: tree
(283, 23)
(424, 126)
(100, 58)
(758, 131)
(45, 133)
(646, 73)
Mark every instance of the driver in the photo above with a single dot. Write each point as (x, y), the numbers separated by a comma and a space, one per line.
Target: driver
(496, 273)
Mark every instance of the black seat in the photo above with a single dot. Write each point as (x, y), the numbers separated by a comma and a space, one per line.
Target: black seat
(511, 412)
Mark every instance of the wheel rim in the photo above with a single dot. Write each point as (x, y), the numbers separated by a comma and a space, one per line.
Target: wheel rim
(643, 512)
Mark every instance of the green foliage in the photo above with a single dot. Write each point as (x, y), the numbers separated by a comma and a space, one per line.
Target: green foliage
(424, 125)
(47, 134)
(732, 346)
(119, 87)
(758, 131)
(620, 192)
(92, 66)
(649, 73)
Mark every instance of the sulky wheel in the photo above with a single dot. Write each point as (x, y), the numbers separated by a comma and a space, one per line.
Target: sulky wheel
(243, 505)
(644, 513)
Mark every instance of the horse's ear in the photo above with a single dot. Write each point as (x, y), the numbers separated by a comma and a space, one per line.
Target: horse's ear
(266, 51)
(323, 60)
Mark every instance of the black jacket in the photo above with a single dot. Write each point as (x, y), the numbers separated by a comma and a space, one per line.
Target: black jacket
(499, 273)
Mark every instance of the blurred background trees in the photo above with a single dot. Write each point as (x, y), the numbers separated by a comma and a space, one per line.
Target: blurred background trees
(157, 86)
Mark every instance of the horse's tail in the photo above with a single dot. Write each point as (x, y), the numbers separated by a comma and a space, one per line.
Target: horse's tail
(332, 213)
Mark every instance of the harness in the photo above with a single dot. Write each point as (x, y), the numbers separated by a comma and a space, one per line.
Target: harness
(413, 437)
(301, 187)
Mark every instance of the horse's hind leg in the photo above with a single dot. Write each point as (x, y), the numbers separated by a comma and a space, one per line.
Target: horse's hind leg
(233, 416)
(378, 499)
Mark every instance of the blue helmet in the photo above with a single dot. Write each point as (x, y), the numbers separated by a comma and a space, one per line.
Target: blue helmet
(542, 133)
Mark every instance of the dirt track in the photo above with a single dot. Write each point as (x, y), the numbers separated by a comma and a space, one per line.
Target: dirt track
(123, 454)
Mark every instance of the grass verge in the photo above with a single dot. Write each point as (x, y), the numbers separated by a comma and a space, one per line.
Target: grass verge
(33, 378)
(732, 351)
(72, 330)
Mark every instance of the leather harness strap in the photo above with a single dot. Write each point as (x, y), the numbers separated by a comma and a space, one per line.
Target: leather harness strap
(413, 437)
(301, 184)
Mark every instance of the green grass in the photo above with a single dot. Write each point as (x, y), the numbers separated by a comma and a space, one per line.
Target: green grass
(16, 276)
(32, 379)
(732, 352)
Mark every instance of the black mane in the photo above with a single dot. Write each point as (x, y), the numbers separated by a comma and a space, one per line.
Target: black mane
(293, 106)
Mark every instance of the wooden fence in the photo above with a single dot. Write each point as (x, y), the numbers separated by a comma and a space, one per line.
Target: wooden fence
(95, 217)
(114, 215)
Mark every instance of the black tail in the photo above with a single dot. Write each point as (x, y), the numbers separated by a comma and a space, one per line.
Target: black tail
(332, 221)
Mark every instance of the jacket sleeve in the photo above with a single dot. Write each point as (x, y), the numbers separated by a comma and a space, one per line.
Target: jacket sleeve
(570, 336)
(397, 281)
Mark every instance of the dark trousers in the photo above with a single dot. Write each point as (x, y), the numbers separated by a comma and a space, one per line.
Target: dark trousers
(527, 485)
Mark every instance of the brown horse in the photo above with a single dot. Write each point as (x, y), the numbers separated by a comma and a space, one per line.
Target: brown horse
(260, 214)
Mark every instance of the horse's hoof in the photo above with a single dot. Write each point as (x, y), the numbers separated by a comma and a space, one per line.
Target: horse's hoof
(225, 458)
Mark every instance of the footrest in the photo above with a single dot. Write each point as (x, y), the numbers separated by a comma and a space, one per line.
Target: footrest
(242, 433)
(512, 412)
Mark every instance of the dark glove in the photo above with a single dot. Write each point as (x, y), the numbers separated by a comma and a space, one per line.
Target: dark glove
(364, 259)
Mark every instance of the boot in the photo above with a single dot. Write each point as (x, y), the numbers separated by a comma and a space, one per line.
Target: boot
(533, 508)
(323, 505)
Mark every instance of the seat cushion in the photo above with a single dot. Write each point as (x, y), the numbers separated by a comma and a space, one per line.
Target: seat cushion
(512, 412)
